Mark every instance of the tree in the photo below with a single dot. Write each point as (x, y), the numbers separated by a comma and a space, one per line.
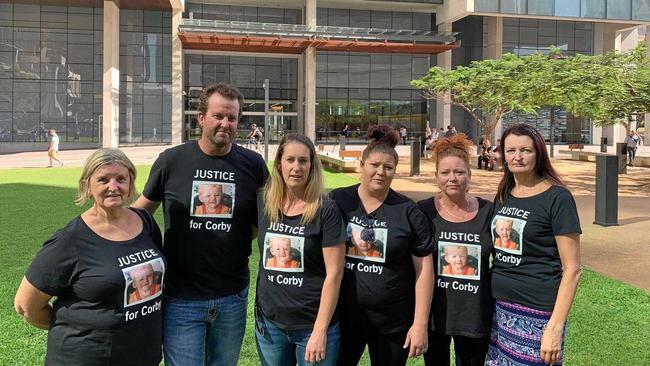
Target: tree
(487, 90)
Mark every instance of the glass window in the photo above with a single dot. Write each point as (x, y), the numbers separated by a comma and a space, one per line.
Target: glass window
(641, 9)
(402, 20)
(337, 70)
(400, 71)
(292, 16)
(490, 6)
(270, 15)
(528, 37)
(422, 21)
(619, 9)
(379, 71)
(339, 17)
(321, 16)
(513, 6)
(568, 8)
(321, 69)
(380, 19)
(359, 70)
(360, 18)
(540, 7)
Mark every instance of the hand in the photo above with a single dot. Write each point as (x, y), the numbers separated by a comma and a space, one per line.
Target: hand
(417, 340)
(315, 350)
(551, 347)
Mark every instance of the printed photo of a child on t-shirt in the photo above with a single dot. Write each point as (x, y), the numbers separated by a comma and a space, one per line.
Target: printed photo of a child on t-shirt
(508, 234)
(366, 245)
(143, 281)
(212, 199)
(459, 260)
(283, 253)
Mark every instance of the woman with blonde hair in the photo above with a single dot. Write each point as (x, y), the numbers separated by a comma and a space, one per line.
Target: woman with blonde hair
(296, 319)
(462, 304)
(89, 266)
(385, 299)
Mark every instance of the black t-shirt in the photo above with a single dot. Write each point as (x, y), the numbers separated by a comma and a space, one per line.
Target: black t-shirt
(207, 236)
(107, 309)
(292, 269)
(526, 267)
(462, 302)
(378, 289)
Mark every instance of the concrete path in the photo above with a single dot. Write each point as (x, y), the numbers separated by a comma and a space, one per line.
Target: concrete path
(621, 252)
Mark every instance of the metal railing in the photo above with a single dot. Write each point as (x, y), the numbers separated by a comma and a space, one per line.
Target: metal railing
(314, 32)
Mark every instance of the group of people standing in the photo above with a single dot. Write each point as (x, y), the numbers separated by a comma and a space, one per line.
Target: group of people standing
(361, 266)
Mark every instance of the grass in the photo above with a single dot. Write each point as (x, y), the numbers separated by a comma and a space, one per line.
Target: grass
(609, 323)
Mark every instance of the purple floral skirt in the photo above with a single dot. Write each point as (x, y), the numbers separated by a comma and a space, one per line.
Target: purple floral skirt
(516, 336)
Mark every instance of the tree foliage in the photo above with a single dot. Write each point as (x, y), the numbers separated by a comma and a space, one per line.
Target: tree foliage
(608, 88)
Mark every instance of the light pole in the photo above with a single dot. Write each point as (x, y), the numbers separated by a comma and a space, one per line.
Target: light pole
(266, 119)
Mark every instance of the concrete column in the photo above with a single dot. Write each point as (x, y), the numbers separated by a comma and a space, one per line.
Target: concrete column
(495, 51)
(111, 78)
(310, 75)
(178, 128)
(300, 85)
(443, 109)
(494, 37)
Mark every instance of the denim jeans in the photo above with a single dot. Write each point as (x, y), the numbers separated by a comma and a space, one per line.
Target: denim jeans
(204, 332)
(277, 347)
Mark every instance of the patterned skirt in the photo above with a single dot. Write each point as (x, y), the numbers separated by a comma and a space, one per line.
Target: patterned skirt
(516, 336)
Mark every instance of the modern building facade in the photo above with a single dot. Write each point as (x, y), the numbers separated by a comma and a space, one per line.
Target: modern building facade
(116, 73)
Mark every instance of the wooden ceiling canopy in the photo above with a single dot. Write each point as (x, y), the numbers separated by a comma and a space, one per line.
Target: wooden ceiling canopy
(289, 45)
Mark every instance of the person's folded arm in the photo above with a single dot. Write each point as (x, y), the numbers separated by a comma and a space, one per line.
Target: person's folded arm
(33, 305)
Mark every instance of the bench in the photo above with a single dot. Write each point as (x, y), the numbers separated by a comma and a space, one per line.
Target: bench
(579, 155)
(356, 154)
(336, 162)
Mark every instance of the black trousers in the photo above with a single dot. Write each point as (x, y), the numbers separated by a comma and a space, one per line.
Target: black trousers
(631, 153)
(469, 351)
(384, 349)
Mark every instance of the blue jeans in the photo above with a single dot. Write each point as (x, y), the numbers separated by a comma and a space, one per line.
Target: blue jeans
(204, 332)
(277, 347)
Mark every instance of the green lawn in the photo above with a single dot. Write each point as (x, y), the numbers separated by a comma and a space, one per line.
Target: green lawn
(609, 324)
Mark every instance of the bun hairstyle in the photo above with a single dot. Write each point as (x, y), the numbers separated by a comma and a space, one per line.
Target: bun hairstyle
(383, 139)
(457, 145)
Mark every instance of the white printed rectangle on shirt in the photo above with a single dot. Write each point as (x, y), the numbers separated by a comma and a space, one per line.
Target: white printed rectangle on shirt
(212, 199)
(371, 251)
(143, 281)
(284, 253)
(508, 234)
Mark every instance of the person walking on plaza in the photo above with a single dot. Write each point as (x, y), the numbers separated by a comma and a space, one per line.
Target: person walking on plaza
(534, 281)
(206, 288)
(633, 141)
(461, 225)
(103, 269)
(53, 149)
(403, 133)
(302, 237)
(387, 284)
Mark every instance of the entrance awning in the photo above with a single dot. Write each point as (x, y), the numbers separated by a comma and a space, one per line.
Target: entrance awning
(200, 34)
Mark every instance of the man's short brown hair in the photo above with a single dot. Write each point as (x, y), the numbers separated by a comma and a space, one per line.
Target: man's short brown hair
(225, 90)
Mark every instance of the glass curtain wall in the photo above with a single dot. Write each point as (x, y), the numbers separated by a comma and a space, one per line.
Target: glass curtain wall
(145, 76)
(248, 74)
(362, 89)
(242, 13)
(50, 72)
(526, 36)
(601, 9)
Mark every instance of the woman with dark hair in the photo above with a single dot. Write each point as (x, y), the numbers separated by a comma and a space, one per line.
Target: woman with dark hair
(462, 303)
(301, 241)
(534, 284)
(385, 299)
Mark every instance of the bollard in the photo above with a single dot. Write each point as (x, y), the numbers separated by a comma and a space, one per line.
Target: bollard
(415, 157)
(606, 190)
(341, 143)
(603, 144)
(621, 152)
